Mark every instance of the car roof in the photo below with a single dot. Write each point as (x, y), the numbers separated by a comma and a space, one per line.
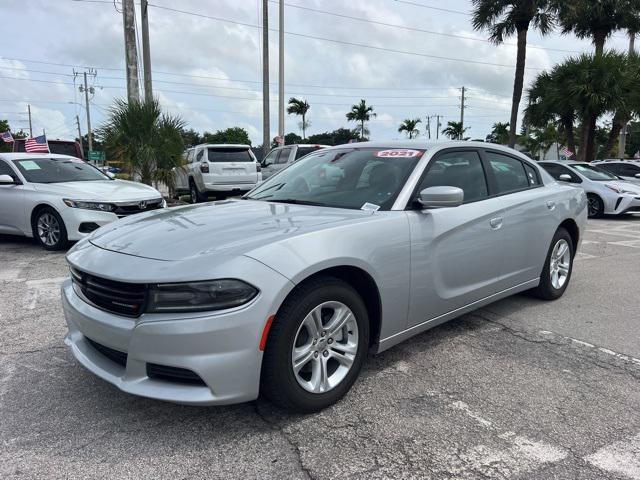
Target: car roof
(26, 155)
(429, 145)
(223, 145)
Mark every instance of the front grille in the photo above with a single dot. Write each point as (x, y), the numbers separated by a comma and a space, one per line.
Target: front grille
(173, 374)
(126, 299)
(139, 207)
(114, 355)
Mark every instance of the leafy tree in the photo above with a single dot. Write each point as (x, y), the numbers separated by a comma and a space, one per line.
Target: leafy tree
(4, 127)
(337, 137)
(455, 131)
(597, 20)
(410, 126)
(190, 137)
(633, 139)
(233, 135)
(148, 141)
(499, 133)
(361, 112)
(299, 107)
(292, 139)
(503, 18)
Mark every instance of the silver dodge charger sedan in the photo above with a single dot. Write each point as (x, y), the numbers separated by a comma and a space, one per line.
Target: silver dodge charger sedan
(284, 292)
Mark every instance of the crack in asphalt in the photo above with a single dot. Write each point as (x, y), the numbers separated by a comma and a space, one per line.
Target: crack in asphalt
(36, 350)
(278, 428)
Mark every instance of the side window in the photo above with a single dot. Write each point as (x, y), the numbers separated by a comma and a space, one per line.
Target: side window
(7, 170)
(532, 175)
(458, 169)
(301, 152)
(509, 173)
(199, 156)
(556, 170)
(271, 158)
(285, 153)
(614, 168)
(629, 170)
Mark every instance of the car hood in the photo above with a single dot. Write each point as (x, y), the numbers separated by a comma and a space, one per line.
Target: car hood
(226, 228)
(625, 185)
(101, 190)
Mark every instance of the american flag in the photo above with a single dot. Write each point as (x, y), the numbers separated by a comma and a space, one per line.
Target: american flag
(37, 145)
(7, 137)
(566, 152)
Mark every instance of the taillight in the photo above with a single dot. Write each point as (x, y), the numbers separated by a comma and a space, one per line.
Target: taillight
(204, 167)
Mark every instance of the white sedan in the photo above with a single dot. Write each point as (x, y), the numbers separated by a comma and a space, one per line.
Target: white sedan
(58, 198)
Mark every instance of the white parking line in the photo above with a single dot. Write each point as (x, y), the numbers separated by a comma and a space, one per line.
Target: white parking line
(621, 457)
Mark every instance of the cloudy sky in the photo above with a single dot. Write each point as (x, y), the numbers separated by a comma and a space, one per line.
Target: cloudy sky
(207, 62)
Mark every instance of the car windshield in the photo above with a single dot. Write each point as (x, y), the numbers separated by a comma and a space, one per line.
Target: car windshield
(355, 178)
(228, 155)
(593, 173)
(58, 170)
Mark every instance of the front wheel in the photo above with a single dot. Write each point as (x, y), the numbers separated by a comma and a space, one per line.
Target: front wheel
(49, 230)
(557, 268)
(596, 206)
(316, 346)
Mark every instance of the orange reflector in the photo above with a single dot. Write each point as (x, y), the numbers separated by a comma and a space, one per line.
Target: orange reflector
(265, 333)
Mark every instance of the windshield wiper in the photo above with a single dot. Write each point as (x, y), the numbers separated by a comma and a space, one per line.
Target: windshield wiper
(295, 201)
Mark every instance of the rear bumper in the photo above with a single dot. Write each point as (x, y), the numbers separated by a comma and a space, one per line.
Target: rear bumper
(229, 187)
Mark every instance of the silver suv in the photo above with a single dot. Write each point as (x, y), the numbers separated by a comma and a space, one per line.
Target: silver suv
(628, 170)
(280, 157)
(218, 170)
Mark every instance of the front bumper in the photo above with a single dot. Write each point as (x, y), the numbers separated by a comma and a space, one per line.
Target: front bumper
(624, 203)
(75, 217)
(220, 347)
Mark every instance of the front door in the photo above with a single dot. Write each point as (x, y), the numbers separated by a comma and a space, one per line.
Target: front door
(455, 252)
(12, 209)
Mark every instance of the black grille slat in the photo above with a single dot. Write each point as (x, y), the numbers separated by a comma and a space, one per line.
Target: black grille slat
(126, 210)
(115, 356)
(173, 374)
(126, 299)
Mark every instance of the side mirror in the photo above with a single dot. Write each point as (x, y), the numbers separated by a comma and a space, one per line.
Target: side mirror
(7, 180)
(441, 197)
(565, 177)
(110, 175)
(637, 175)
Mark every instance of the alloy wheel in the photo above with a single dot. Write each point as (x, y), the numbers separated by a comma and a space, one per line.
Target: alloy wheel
(594, 207)
(48, 229)
(325, 347)
(560, 264)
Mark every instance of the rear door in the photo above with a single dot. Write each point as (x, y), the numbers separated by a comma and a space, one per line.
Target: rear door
(529, 219)
(230, 165)
(629, 171)
(180, 173)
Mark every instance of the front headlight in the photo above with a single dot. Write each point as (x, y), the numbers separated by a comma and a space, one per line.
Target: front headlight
(618, 189)
(103, 207)
(199, 296)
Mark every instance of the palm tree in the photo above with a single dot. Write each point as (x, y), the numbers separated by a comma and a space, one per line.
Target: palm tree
(147, 140)
(503, 18)
(410, 126)
(361, 112)
(500, 133)
(299, 107)
(597, 20)
(455, 130)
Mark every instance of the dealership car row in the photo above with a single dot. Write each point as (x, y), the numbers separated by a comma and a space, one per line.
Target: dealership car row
(281, 292)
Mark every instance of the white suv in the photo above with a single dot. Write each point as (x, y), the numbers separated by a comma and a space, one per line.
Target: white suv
(281, 157)
(217, 170)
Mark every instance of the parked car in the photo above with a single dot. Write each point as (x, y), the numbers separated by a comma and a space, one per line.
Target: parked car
(285, 291)
(280, 157)
(607, 193)
(217, 170)
(628, 170)
(58, 198)
(63, 147)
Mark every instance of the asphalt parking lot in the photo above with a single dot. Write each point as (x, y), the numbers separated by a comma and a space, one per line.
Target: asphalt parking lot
(521, 389)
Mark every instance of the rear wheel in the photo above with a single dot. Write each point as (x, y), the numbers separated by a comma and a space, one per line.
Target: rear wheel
(194, 194)
(557, 268)
(596, 206)
(49, 229)
(316, 346)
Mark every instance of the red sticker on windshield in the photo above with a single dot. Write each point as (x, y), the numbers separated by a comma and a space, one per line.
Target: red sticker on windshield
(399, 153)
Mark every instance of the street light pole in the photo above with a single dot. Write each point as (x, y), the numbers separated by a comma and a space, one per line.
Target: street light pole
(281, 72)
(146, 51)
(86, 102)
(130, 51)
(266, 127)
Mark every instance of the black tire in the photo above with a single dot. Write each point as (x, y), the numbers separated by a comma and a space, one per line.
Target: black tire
(278, 382)
(596, 206)
(58, 239)
(546, 289)
(194, 193)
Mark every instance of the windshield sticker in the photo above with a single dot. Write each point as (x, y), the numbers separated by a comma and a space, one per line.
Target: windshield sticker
(399, 153)
(370, 207)
(76, 160)
(29, 165)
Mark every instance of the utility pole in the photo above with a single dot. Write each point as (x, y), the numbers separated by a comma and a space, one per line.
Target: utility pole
(281, 72)
(86, 104)
(30, 125)
(130, 52)
(622, 141)
(429, 127)
(266, 129)
(438, 125)
(462, 100)
(146, 51)
(79, 133)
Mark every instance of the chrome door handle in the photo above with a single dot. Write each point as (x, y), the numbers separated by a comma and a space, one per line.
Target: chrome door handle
(496, 223)
(551, 205)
